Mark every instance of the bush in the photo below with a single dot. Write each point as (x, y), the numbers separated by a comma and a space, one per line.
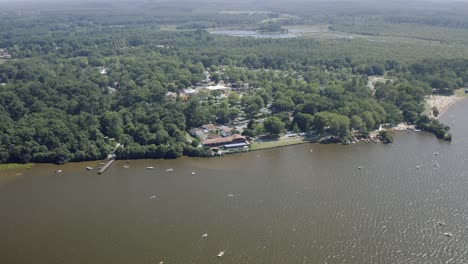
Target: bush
(386, 137)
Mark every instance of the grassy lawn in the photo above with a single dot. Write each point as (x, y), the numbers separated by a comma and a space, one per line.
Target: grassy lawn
(461, 92)
(277, 143)
(13, 166)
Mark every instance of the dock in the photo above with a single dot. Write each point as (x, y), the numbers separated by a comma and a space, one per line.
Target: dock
(105, 167)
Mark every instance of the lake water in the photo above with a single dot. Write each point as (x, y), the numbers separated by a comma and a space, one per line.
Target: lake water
(300, 204)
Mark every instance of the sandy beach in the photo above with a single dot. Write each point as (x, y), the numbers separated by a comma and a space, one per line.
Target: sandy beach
(442, 103)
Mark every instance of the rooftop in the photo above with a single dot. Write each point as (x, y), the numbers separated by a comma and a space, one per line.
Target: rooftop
(222, 140)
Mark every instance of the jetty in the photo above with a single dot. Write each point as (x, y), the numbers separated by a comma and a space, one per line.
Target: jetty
(110, 159)
(108, 164)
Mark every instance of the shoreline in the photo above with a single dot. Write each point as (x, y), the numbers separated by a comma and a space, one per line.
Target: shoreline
(441, 102)
(15, 166)
(256, 146)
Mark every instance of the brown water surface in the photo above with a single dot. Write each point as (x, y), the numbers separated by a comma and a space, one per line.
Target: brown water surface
(301, 204)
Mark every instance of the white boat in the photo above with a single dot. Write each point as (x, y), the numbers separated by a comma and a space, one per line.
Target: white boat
(193, 173)
(126, 166)
(89, 168)
(231, 195)
(220, 254)
(152, 197)
(170, 169)
(448, 234)
(58, 171)
(150, 168)
(204, 236)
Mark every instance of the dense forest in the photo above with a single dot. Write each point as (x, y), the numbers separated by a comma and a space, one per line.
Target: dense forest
(86, 77)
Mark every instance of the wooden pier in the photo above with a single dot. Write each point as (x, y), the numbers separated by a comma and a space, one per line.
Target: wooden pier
(105, 167)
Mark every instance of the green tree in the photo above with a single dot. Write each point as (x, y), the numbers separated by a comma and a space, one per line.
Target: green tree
(273, 126)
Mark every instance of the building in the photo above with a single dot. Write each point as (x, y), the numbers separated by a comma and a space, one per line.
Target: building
(190, 91)
(102, 70)
(209, 127)
(226, 142)
(171, 95)
(198, 133)
(225, 131)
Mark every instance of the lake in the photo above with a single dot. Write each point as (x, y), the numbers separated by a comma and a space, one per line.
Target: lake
(292, 33)
(308, 203)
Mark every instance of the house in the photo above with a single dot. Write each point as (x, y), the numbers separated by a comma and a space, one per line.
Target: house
(209, 127)
(102, 70)
(225, 131)
(190, 91)
(198, 133)
(171, 95)
(224, 142)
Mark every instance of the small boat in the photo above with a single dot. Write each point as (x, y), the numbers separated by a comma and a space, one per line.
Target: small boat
(448, 234)
(126, 166)
(417, 130)
(152, 197)
(436, 153)
(193, 173)
(220, 254)
(170, 169)
(231, 195)
(150, 168)
(102, 163)
(58, 171)
(359, 167)
(204, 236)
(89, 168)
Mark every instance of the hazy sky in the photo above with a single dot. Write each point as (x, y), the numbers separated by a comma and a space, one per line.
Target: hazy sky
(265, 2)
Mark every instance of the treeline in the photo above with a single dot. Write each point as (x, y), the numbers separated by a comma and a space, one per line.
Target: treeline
(66, 110)
(73, 92)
